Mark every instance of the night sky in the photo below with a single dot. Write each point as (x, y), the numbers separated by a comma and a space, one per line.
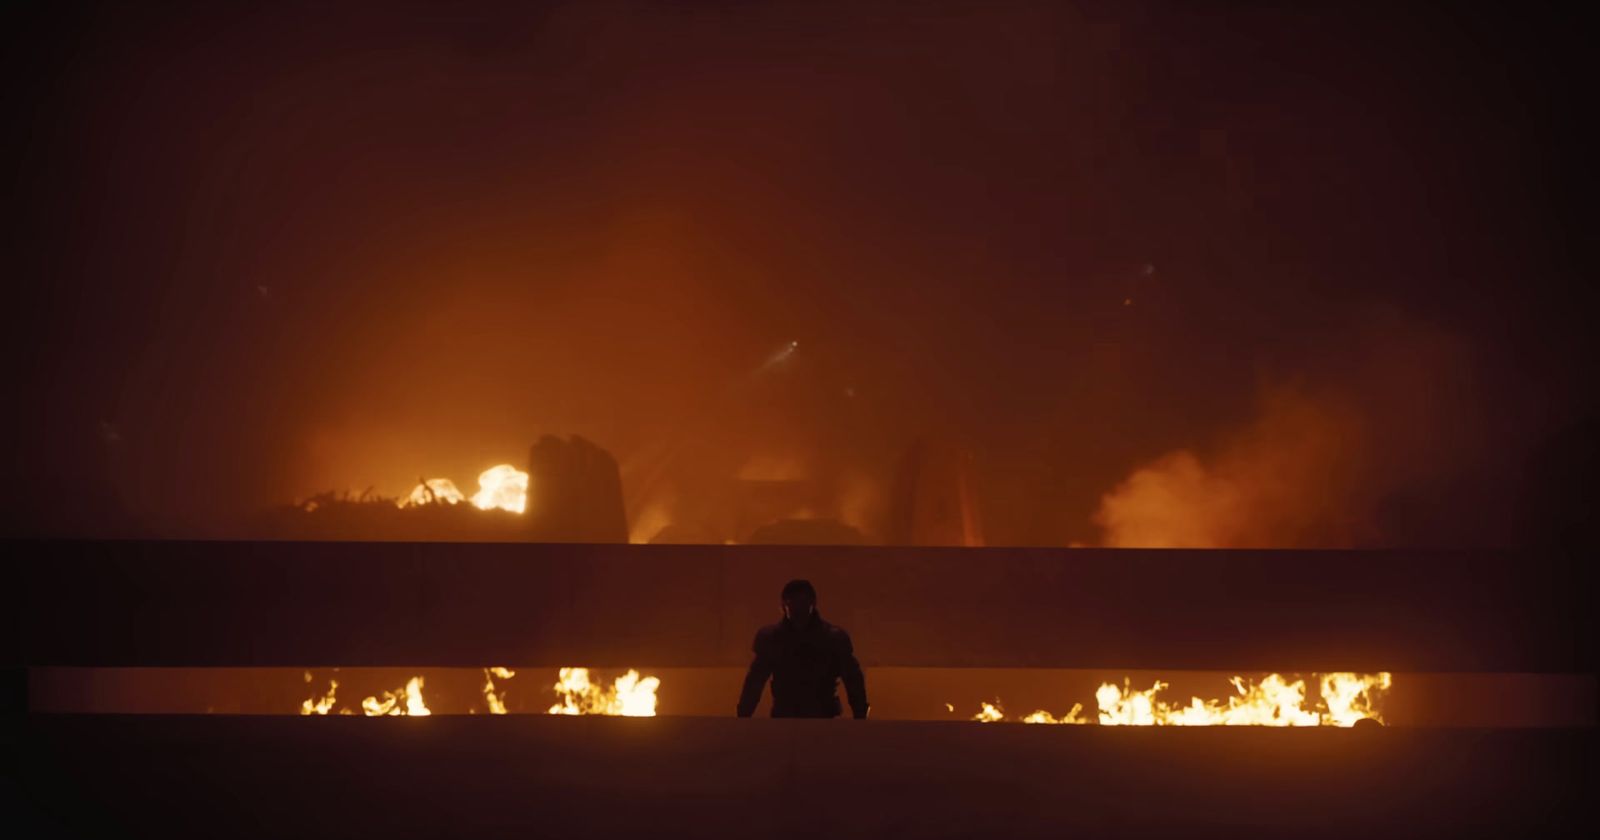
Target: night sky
(1320, 262)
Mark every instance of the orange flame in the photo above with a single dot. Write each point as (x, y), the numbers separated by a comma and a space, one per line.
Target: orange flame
(1275, 701)
(502, 487)
(314, 705)
(402, 701)
(496, 701)
(629, 696)
(434, 491)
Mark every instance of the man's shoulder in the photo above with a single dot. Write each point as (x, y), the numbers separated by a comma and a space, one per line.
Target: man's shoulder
(768, 632)
(836, 633)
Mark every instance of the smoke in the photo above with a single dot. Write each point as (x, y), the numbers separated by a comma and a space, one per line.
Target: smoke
(1314, 467)
(1290, 478)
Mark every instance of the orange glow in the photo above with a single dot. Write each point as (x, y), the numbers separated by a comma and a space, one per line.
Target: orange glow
(496, 701)
(993, 713)
(314, 705)
(406, 701)
(630, 695)
(434, 491)
(989, 713)
(501, 487)
(1275, 701)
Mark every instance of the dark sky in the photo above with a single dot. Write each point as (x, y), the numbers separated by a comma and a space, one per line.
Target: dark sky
(265, 253)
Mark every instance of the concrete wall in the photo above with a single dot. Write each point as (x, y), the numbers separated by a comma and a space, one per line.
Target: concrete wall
(532, 776)
(442, 604)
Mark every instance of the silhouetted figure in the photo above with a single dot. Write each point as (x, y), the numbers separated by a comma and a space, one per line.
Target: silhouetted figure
(805, 657)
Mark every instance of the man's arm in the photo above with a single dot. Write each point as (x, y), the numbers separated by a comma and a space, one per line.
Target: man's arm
(755, 680)
(855, 682)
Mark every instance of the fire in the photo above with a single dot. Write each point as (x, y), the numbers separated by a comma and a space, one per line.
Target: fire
(434, 491)
(496, 701)
(1275, 701)
(320, 705)
(992, 713)
(630, 695)
(1350, 696)
(1073, 716)
(502, 487)
(402, 701)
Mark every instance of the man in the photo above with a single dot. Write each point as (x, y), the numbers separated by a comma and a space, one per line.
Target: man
(806, 658)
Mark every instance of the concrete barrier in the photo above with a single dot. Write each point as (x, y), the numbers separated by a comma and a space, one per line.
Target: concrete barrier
(444, 604)
(533, 776)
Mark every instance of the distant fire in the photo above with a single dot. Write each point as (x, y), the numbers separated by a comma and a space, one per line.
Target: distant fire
(502, 487)
(629, 695)
(1275, 701)
(320, 705)
(496, 701)
(405, 701)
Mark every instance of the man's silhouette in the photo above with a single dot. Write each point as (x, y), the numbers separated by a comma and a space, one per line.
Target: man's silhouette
(806, 658)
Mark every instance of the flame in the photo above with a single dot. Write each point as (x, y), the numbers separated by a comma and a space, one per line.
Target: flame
(1350, 696)
(497, 702)
(630, 695)
(1073, 716)
(402, 701)
(992, 713)
(1275, 701)
(989, 713)
(314, 705)
(501, 486)
(414, 705)
(433, 491)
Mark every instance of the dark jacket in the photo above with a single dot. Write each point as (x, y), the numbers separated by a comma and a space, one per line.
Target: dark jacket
(805, 667)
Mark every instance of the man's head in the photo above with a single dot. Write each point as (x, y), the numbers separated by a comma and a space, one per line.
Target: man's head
(799, 601)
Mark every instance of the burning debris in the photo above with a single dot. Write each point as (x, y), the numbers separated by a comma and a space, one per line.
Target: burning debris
(501, 487)
(1347, 699)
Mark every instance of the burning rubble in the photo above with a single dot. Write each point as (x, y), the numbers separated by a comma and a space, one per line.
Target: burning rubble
(501, 487)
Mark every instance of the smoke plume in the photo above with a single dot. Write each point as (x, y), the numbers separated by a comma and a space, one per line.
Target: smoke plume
(1313, 467)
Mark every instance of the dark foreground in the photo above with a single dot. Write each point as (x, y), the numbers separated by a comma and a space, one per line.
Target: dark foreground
(537, 776)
